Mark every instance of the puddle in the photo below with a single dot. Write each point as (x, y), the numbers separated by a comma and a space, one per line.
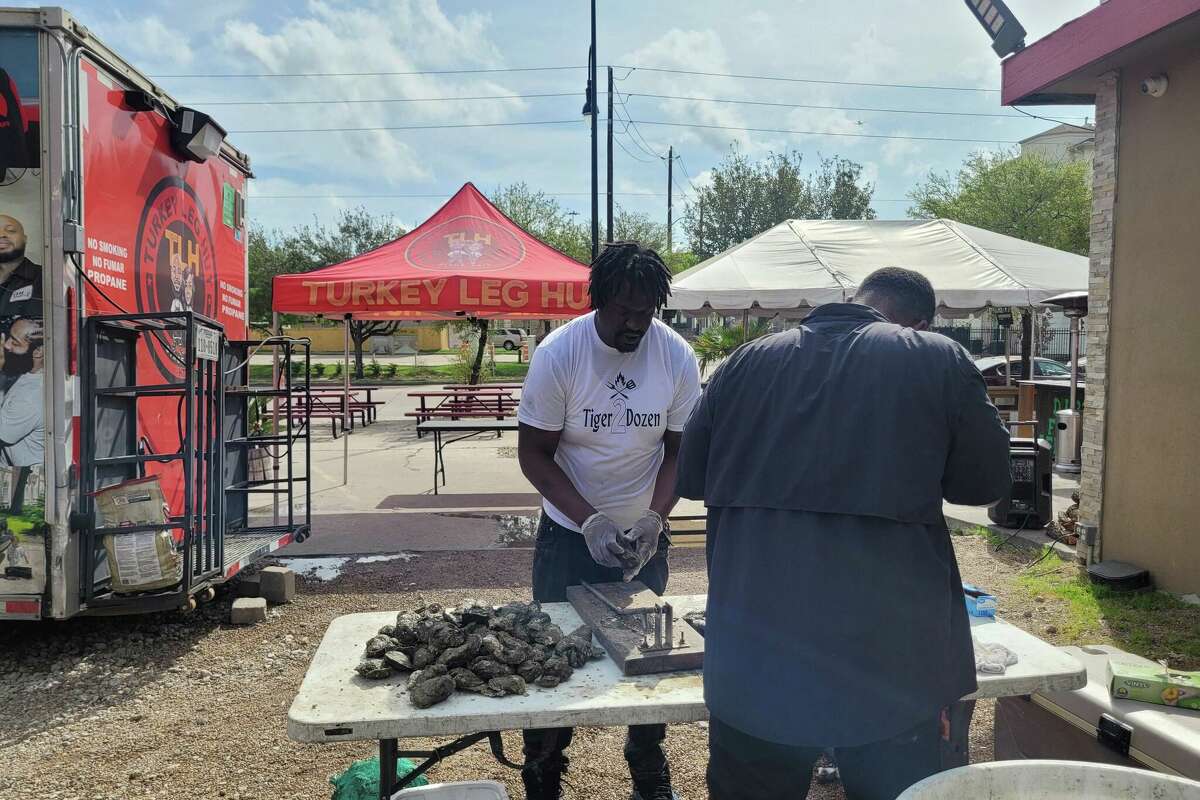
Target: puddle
(517, 530)
(377, 559)
(321, 569)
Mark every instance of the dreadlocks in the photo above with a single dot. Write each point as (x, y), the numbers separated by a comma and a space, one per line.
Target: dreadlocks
(622, 265)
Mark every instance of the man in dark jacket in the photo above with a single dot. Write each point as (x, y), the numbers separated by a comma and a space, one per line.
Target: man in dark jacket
(20, 278)
(835, 607)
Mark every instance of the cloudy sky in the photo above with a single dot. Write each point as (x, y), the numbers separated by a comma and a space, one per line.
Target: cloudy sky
(305, 174)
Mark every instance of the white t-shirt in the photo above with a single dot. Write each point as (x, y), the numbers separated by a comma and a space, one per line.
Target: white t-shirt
(613, 409)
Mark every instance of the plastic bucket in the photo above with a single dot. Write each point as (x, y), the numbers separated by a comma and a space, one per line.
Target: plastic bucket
(468, 790)
(1051, 780)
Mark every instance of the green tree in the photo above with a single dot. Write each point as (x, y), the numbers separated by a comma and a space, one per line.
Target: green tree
(717, 342)
(545, 218)
(746, 197)
(635, 226)
(314, 246)
(1029, 197)
(267, 257)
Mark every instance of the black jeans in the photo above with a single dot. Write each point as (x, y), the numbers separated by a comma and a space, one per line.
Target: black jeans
(561, 559)
(742, 767)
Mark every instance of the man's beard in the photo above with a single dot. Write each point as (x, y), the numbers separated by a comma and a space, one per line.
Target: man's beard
(16, 254)
(16, 364)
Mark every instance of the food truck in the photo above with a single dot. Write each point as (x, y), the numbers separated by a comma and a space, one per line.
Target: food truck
(135, 457)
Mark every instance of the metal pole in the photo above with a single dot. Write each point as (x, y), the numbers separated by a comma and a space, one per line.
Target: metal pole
(670, 167)
(595, 152)
(275, 331)
(1007, 363)
(609, 162)
(346, 408)
(745, 325)
(1074, 358)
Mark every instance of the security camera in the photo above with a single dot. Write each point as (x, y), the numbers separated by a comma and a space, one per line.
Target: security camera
(1155, 85)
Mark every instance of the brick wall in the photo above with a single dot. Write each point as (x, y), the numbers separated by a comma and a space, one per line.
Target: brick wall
(1104, 198)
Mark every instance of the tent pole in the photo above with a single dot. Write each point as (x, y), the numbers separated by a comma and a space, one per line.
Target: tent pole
(346, 408)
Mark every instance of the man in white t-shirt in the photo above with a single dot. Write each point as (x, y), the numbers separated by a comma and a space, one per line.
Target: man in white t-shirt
(601, 417)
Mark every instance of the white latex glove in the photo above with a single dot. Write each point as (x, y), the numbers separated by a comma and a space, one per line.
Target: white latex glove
(642, 538)
(603, 539)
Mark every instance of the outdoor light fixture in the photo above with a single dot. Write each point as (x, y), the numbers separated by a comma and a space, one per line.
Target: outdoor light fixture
(1004, 317)
(1006, 33)
(195, 135)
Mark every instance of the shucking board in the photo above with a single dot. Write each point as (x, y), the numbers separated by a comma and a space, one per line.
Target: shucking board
(622, 636)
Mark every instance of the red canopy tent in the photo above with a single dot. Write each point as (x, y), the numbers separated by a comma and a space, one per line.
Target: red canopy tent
(467, 260)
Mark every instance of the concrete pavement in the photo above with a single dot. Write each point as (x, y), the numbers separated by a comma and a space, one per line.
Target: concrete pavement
(387, 503)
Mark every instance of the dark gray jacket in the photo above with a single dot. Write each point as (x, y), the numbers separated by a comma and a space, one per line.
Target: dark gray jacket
(835, 607)
(847, 414)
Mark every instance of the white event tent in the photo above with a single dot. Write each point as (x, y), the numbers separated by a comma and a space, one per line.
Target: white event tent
(800, 264)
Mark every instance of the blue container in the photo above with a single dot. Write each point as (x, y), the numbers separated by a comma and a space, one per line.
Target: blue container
(979, 602)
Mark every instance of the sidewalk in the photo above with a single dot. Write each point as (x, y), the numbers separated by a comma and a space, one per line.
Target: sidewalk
(388, 504)
(972, 517)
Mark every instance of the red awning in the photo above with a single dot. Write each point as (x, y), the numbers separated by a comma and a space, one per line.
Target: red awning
(468, 259)
(1063, 67)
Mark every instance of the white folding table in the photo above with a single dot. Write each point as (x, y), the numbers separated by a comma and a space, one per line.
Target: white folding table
(335, 705)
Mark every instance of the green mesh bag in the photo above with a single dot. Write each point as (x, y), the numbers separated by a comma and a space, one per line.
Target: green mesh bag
(360, 781)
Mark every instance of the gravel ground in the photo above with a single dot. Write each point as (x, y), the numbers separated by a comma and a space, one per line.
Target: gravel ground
(171, 706)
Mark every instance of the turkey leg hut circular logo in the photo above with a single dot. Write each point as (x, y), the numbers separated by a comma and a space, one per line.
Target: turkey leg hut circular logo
(466, 243)
(176, 267)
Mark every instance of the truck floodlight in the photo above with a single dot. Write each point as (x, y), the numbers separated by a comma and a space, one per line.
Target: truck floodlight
(195, 135)
(1007, 35)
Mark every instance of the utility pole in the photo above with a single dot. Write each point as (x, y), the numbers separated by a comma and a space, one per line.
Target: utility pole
(700, 237)
(670, 175)
(609, 162)
(594, 108)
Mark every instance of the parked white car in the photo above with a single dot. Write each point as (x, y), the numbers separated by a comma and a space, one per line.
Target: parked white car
(508, 338)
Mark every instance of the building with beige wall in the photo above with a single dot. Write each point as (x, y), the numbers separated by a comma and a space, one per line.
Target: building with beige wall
(1062, 143)
(1141, 442)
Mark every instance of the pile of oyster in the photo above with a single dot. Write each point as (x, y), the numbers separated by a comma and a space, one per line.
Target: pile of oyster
(493, 651)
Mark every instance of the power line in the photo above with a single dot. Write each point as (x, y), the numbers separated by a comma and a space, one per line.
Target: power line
(480, 71)
(632, 155)
(1059, 121)
(432, 195)
(687, 174)
(829, 108)
(804, 80)
(632, 122)
(823, 133)
(337, 101)
(441, 195)
(409, 127)
(631, 130)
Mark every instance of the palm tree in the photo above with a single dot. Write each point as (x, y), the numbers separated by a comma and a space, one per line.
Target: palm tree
(716, 343)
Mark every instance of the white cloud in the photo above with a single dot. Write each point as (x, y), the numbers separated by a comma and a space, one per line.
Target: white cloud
(695, 51)
(870, 58)
(148, 41)
(417, 36)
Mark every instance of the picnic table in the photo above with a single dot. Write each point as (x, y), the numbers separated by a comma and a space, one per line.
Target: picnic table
(459, 403)
(335, 705)
(467, 428)
(469, 386)
(328, 404)
(371, 403)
